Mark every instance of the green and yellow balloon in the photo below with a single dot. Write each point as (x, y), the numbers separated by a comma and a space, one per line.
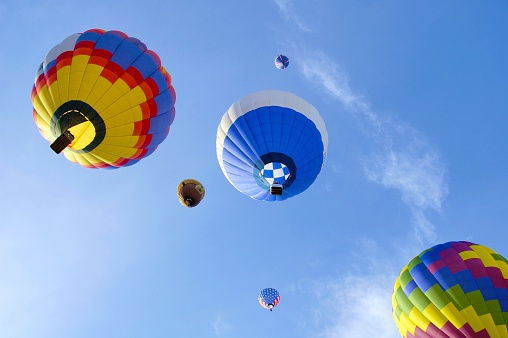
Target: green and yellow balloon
(455, 289)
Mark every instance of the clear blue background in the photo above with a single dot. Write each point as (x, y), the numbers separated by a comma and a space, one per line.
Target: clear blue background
(414, 96)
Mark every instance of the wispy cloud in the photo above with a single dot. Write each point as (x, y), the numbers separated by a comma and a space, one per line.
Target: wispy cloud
(220, 325)
(401, 159)
(286, 11)
(359, 304)
(358, 307)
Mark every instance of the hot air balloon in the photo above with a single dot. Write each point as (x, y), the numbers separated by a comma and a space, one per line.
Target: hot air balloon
(269, 298)
(281, 61)
(455, 289)
(103, 99)
(190, 192)
(271, 145)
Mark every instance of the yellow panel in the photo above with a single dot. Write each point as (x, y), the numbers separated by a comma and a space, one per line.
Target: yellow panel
(395, 304)
(41, 110)
(127, 117)
(109, 97)
(55, 95)
(78, 67)
(70, 155)
(419, 319)
(84, 133)
(75, 85)
(407, 324)
(465, 255)
(79, 63)
(48, 136)
(104, 157)
(115, 151)
(98, 90)
(135, 97)
(47, 100)
(490, 325)
(453, 315)
(63, 75)
(503, 332)
(124, 130)
(120, 107)
(435, 316)
(472, 318)
(122, 141)
(397, 282)
(91, 75)
(41, 123)
(484, 255)
(87, 159)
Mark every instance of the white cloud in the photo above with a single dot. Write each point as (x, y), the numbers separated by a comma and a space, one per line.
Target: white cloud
(286, 10)
(402, 158)
(359, 305)
(220, 326)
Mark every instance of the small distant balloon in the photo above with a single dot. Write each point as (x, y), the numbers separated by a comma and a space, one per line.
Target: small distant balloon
(269, 298)
(190, 192)
(281, 62)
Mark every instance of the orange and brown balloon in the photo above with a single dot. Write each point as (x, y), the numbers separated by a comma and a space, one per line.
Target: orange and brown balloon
(190, 192)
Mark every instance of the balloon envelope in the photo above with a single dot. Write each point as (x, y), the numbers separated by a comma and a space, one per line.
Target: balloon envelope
(281, 62)
(269, 298)
(190, 192)
(455, 289)
(271, 138)
(103, 98)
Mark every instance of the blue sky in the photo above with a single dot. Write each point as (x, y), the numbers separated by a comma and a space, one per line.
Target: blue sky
(413, 95)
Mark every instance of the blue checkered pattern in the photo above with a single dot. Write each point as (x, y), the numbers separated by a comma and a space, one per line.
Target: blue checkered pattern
(275, 172)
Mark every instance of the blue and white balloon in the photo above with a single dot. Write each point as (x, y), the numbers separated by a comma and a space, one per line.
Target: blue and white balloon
(271, 145)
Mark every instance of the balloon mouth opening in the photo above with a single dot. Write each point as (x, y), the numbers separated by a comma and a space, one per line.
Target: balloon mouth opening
(189, 201)
(275, 170)
(270, 307)
(79, 120)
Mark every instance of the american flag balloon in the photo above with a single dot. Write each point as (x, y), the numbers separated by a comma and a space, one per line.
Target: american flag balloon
(269, 298)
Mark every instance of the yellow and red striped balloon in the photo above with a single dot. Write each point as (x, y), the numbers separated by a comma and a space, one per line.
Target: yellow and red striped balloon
(109, 92)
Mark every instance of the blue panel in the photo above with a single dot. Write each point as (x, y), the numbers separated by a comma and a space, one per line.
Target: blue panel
(410, 287)
(164, 102)
(488, 293)
(504, 305)
(49, 65)
(422, 276)
(160, 123)
(89, 36)
(484, 283)
(430, 257)
(145, 65)
(464, 276)
(445, 278)
(109, 42)
(160, 80)
(126, 54)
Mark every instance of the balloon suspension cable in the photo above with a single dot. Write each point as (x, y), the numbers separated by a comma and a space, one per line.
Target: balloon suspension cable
(62, 142)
